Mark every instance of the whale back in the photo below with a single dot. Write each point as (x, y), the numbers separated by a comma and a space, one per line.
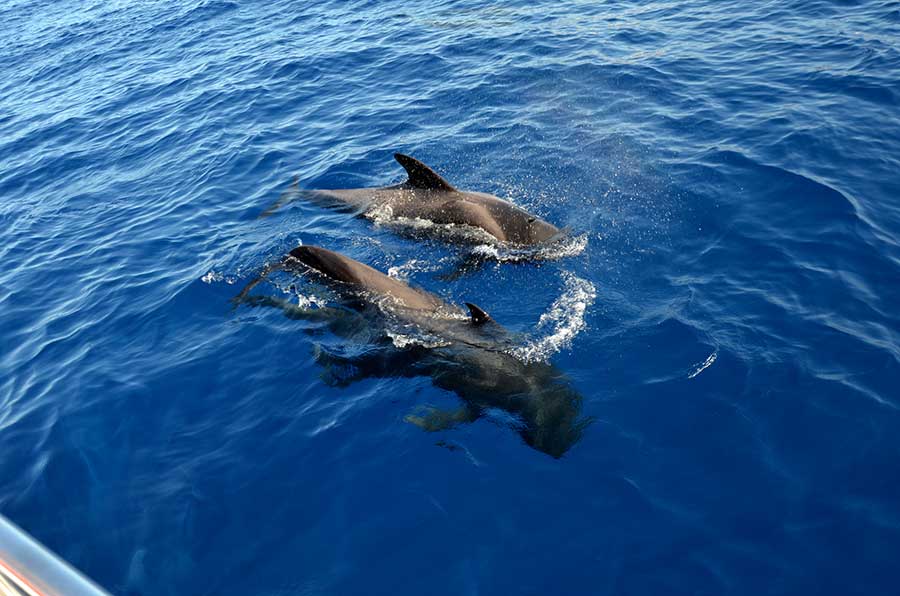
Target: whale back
(343, 269)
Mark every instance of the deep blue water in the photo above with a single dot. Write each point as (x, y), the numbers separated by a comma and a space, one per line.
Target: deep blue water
(730, 170)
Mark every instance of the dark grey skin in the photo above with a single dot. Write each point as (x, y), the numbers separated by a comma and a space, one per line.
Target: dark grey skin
(471, 359)
(426, 195)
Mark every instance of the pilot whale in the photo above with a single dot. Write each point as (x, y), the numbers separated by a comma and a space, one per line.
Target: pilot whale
(426, 195)
(468, 353)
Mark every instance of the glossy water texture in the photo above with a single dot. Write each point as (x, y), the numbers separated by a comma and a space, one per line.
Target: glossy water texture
(728, 312)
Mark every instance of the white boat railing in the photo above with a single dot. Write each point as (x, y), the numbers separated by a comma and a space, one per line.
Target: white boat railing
(29, 569)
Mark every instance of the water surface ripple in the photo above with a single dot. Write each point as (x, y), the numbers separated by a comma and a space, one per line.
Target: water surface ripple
(729, 317)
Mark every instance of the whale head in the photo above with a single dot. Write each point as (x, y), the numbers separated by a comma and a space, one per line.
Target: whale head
(516, 225)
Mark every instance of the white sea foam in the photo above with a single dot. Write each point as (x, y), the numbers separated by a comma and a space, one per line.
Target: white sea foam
(699, 368)
(305, 301)
(217, 276)
(565, 246)
(415, 338)
(563, 321)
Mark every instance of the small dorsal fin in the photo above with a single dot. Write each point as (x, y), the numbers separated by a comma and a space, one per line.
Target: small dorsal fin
(479, 317)
(420, 175)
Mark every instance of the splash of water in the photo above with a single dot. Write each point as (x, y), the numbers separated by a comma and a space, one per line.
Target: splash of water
(217, 276)
(564, 320)
(706, 364)
(566, 246)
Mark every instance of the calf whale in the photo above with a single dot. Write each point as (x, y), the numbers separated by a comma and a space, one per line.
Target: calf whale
(466, 351)
(426, 195)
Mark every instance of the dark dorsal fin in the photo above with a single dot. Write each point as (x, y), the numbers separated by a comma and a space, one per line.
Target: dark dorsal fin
(479, 317)
(420, 175)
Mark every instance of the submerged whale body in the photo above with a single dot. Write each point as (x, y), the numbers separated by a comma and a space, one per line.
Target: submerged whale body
(426, 195)
(468, 352)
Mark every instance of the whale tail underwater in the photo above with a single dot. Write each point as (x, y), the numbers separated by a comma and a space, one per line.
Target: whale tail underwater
(427, 196)
(462, 351)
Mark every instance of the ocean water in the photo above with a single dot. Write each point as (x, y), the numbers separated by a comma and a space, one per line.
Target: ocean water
(726, 308)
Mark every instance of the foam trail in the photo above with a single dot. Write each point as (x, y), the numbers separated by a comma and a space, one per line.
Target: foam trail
(565, 320)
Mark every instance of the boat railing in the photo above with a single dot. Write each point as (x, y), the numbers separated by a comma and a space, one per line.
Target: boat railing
(29, 569)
